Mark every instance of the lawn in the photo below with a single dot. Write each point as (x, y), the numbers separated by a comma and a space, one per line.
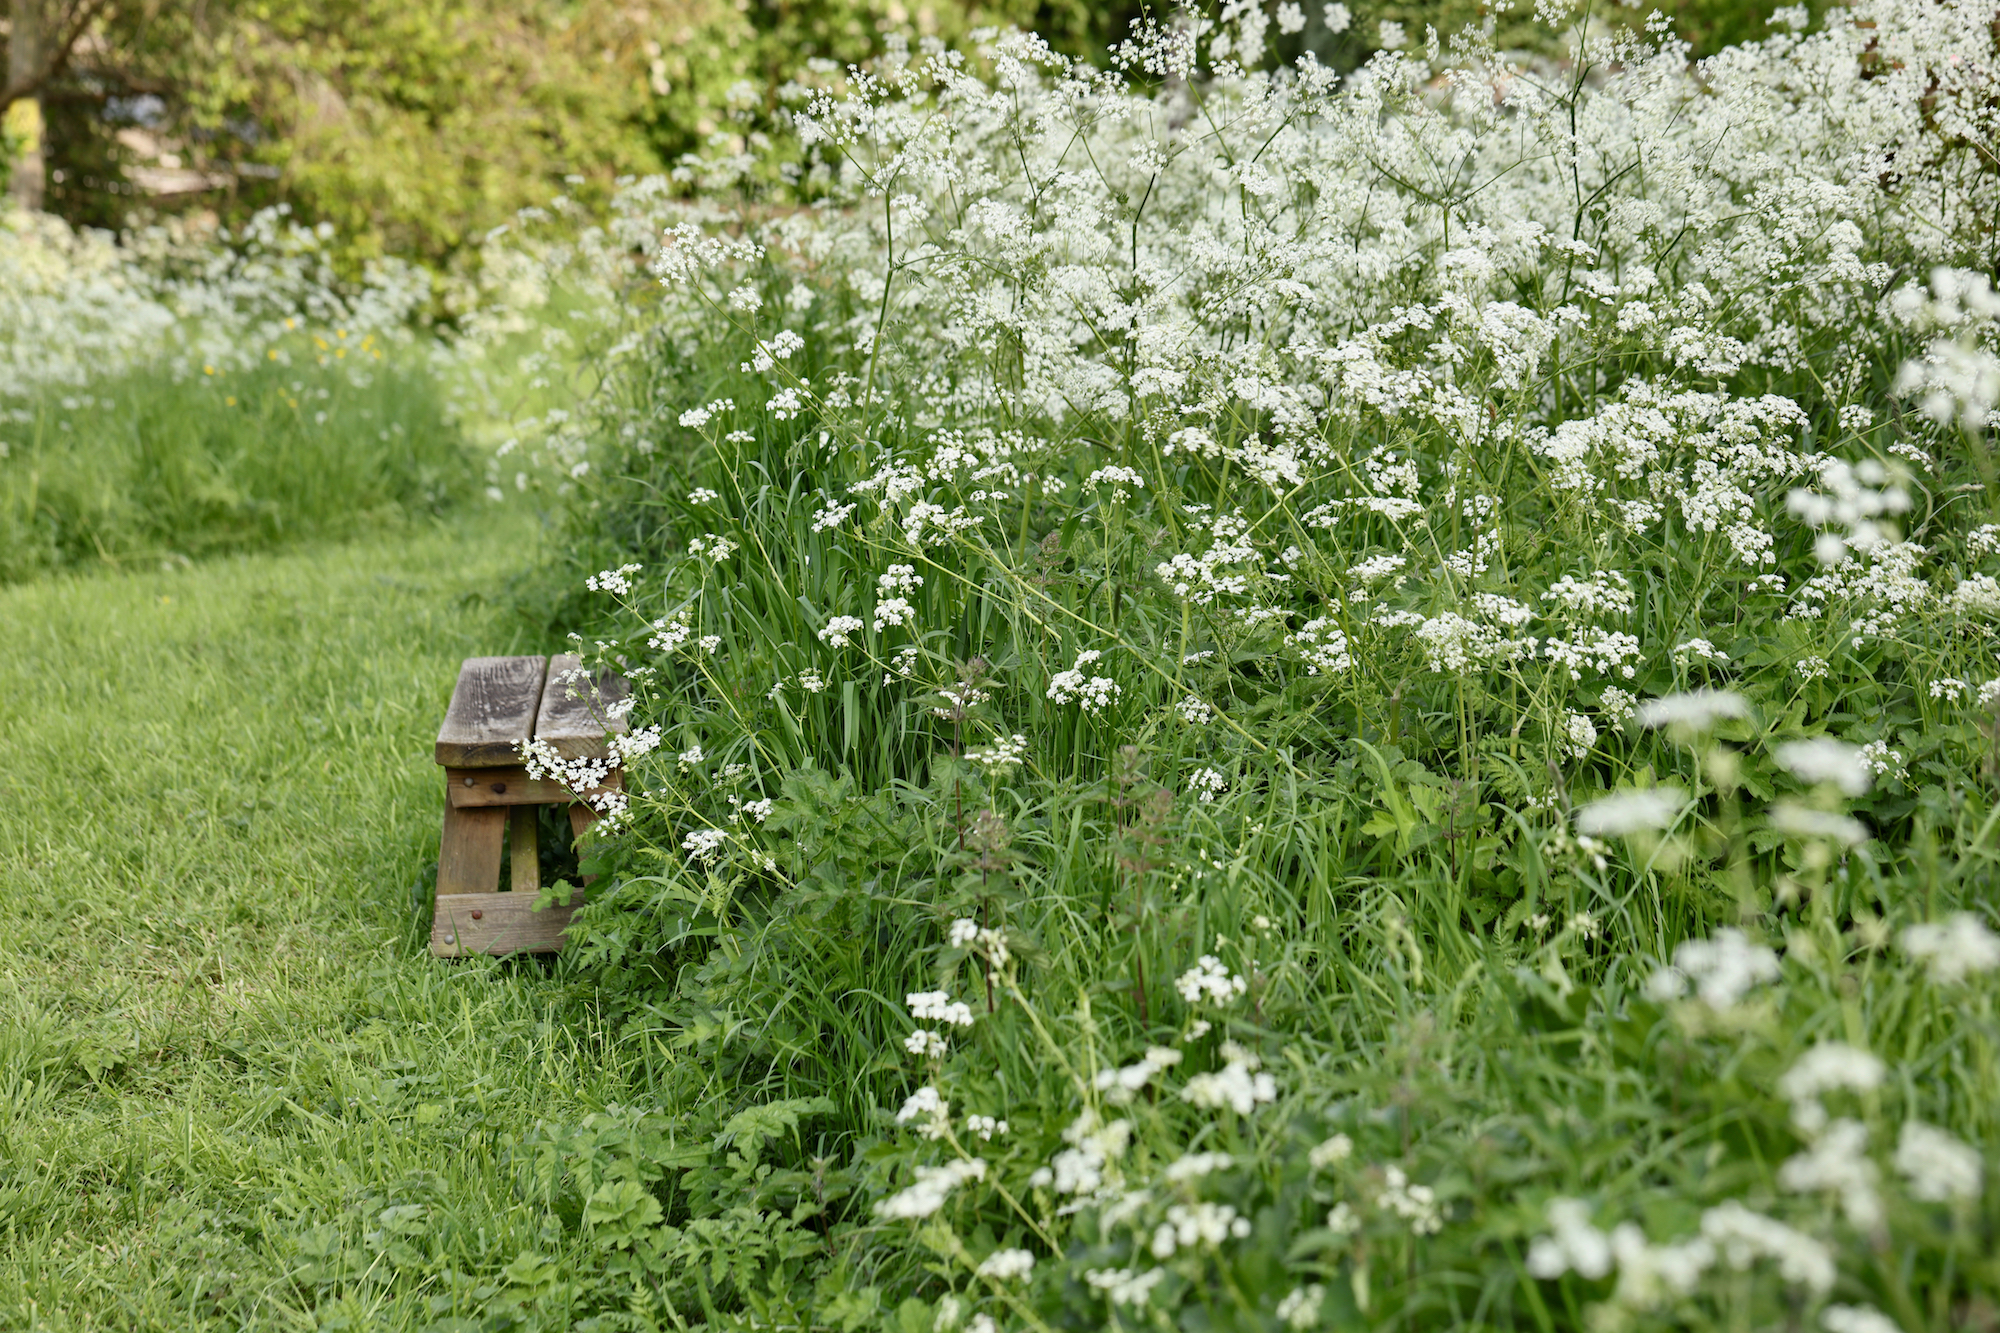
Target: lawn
(229, 1066)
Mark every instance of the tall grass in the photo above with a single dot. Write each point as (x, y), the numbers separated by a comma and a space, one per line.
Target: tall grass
(156, 465)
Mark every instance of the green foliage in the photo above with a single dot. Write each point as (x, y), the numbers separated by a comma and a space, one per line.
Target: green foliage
(151, 466)
(1349, 891)
(416, 127)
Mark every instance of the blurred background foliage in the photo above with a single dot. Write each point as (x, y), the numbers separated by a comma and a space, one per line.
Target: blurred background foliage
(415, 125)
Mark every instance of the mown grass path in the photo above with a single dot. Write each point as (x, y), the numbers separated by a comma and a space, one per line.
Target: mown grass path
(225, 1057)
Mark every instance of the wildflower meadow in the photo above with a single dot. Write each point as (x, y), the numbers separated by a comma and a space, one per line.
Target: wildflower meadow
(1264, 698)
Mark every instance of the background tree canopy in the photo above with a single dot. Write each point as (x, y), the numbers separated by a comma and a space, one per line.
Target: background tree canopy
(413, 125)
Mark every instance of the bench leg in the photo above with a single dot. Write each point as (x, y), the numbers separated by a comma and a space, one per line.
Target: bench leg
(468, 863)
(469, 851)
(581, 817)
(521, 840)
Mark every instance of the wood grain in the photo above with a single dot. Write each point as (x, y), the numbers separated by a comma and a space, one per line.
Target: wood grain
(523, 824)
(511, 786)
(469, 851)
(576, 726)
(581, 817)
(506, 923)
(493, 705)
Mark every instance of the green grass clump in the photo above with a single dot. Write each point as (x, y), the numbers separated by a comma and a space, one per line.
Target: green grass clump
(155, 464)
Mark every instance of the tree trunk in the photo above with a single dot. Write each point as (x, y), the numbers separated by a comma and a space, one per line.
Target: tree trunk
(24, 117)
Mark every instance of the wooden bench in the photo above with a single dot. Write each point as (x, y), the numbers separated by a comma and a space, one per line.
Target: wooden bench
(491, 803)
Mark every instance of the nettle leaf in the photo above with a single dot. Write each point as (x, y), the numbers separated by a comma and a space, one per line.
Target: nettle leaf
(620, 1211)
(748, 1130)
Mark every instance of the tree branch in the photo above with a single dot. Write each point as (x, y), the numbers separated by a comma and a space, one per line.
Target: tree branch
(57, 58)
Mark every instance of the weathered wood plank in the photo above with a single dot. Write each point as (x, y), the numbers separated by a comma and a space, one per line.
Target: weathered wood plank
(581, 817)
(493, 705)
(511, 786)
(575, 715)
(526, 862)
(497, 923)
(469, 851)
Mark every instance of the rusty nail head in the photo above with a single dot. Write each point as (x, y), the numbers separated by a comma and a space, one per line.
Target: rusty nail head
(499, 788)
(476, 914)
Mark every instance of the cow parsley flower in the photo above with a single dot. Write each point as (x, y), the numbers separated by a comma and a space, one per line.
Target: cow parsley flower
(1006, 752)
(838, 631)
(1121, 1085)
(1721, 970)
(1636, 810)
(1828, 1067)
(937, 1006)
(1415, 1204)
(934, 1185)
(1856, 1319)
(1940, 1169)
(1954, 948)
(1301, 1307)
(1095, 693)
(894, 612)
(1838, 1163)
(1824, 759)
(1333, 1150)
(1237, 1085)
(704, 845)
(1697, 710)
(1006, 1265)
(1208, 981)
(1122, 1286)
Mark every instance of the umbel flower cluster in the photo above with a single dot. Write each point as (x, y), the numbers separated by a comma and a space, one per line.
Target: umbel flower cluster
(1226, 578)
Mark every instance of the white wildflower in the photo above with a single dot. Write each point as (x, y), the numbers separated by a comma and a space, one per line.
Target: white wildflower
(1802, 821)
(1122, 1286)
(1006, 1265)
(937, 1006)
(617, 582)
(704, 845)
(1236, 1085)
(1721, 969)
(934, 1185)
(1838, 1163)
(1856, 1319)
(1336, 1149)
(1828, 1067)
(1095, 693)
(838, 629)
(1824, 759)
(1121, 1085)
(1208, 981)
(1572, 1245)
(1194, 1166)
(1954, 948)
(1415, 1204)
(1940, 1169)
(1636, 810)
(1697, 710)
(1301, 1307)
(986, 1127)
